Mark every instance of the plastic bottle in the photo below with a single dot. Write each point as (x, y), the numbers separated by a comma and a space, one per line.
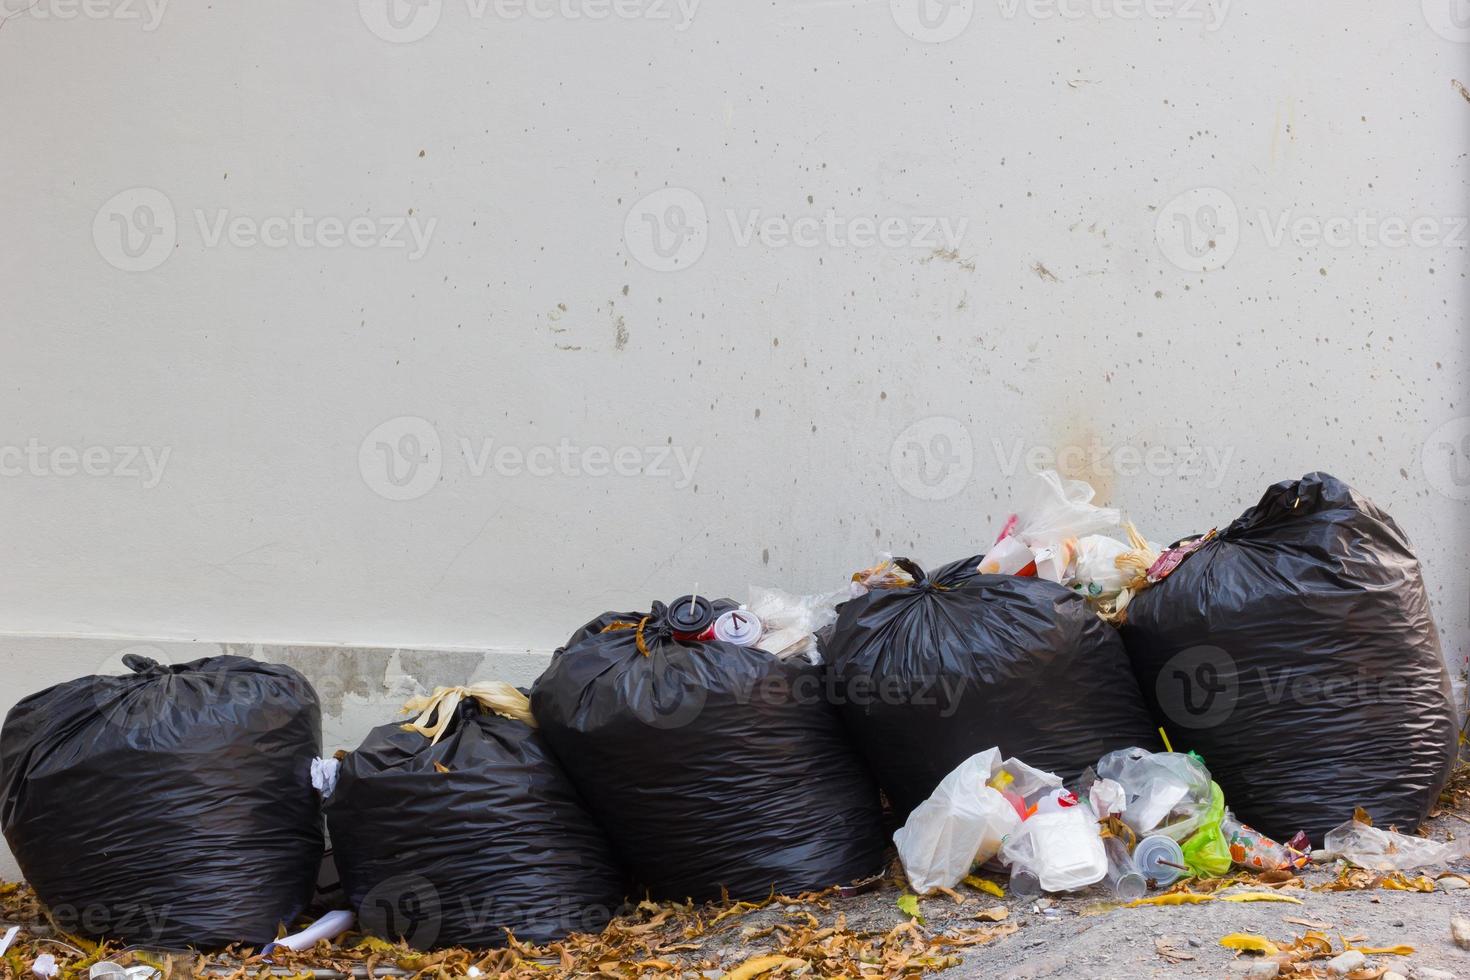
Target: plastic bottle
(1252, 849)
(1124, 879)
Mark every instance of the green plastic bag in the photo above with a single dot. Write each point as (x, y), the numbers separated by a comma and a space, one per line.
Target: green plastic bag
(1206, 851)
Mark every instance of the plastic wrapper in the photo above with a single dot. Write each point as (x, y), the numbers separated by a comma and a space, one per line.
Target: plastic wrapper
(711, 766)
(1296, 652)
(168, 807)
(926, 676)
(453, 829)
(1385, 850)
(790, 621)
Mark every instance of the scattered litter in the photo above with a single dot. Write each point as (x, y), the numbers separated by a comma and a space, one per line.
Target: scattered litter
(10, 935)
(1369, 847)
(328, 927)
(108, 970)
(45, 966)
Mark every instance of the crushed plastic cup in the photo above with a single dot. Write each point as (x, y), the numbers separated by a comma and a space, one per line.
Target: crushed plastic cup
(1159, 859)
(1123, 879)
(738, 626)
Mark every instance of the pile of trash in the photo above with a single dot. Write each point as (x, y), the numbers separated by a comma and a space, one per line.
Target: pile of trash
(1011, 710)
(1139, 820)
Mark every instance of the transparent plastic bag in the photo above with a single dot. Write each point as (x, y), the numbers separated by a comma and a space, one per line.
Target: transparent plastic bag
(789, 620)
(884, 574)
(960, 825)
(1167, 792)
(1385, 850)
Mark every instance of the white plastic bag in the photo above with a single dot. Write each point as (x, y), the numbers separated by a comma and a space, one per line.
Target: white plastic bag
(1051, 516)
(960, 825)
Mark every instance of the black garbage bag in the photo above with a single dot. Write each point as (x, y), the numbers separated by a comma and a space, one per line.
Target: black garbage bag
(1296, 653)
(710, 765)
(169, 807)
(452, 842)
(927, 675)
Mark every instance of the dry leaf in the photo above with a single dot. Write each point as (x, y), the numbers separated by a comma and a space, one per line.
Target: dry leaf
(755, 966)
(1250, 943)
(1173, 898)
(996, 913)
(1258, 897)
(985, 885)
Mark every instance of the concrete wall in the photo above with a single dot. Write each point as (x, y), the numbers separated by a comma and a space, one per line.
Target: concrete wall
(445, 326)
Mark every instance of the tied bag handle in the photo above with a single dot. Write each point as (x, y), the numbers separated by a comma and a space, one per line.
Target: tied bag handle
(437, 710)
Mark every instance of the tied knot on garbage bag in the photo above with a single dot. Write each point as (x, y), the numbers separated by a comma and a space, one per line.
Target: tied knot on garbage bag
(638, 627)
(437, 710)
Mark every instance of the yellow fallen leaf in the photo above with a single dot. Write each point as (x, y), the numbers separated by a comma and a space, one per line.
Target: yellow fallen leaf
(1259, 897)
(376, 945)
(1399, 950)
(757, 965)
(1250, 943)
(1175, 898)
(985, 885)
(996, 914)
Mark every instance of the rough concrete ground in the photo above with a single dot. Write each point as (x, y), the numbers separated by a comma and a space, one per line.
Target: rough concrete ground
(1083, 935)
(1068, 936)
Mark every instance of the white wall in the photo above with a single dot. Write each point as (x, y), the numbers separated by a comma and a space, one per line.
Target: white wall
(802, 379)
